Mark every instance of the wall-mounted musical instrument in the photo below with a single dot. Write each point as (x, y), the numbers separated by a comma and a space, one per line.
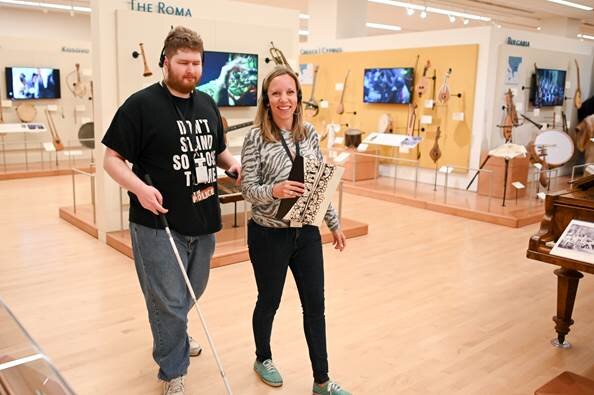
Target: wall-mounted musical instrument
(147, 72)
(278, 57)
(444, 90)
(412, 117)
(384, 124)
(78, 89)
(538, 125)
(577, 98)
(422, 86)
(340, 107)
(435, 152)
(510, 118)
(312, 108)
(26, 112)
(54, 133)
(231, 128)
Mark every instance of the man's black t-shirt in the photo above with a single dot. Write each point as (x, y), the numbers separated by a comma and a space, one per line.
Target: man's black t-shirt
(176, 141)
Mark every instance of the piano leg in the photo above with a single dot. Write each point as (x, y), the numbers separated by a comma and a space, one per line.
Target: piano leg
(567, 283)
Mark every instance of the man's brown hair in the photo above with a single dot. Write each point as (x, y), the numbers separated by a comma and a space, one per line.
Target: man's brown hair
(181, 37)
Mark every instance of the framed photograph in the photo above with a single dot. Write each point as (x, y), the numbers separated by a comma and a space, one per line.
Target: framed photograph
(512, 71)
(576, 242)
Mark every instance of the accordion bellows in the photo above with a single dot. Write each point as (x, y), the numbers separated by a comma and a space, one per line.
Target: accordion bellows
(320, 180)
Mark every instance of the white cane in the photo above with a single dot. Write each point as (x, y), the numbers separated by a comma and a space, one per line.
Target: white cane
(165, 224)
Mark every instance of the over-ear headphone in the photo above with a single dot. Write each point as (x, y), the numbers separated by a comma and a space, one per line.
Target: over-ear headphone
(162, 57)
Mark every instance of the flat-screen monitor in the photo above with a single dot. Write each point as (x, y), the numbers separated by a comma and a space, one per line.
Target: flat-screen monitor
(26, 83)
(230, 78)
(547, 88)
(388, 85)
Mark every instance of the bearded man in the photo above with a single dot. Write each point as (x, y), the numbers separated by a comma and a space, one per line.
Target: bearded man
(174, 133)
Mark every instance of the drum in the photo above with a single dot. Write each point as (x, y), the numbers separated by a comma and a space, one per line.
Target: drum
(557, 145)
(26, 112)
(352, 138)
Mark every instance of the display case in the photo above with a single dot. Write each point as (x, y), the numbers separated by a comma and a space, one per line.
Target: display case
(24, 368)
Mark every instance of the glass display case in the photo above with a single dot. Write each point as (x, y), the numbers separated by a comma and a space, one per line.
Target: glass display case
(24, 368)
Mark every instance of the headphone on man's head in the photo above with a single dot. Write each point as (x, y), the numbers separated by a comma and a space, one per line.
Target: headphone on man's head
(162, 57)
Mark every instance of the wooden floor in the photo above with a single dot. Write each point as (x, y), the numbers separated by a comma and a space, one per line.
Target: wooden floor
(427, 303)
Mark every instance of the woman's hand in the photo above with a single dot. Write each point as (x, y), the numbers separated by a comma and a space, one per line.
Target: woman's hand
(288, 189)
(338, 239)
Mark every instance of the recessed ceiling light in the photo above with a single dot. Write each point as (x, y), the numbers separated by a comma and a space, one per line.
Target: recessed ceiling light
(409, 11)
(572, 4)
(423, 14)
(383, 26)
(539, 28)
(452, 18)
(466, 21)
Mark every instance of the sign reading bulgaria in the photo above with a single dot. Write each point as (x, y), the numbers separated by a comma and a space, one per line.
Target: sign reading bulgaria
(159, 8)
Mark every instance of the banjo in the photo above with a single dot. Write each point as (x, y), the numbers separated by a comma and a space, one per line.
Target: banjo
(558, 146)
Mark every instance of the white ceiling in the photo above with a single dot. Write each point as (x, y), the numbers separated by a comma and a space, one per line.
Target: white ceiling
(524, 14)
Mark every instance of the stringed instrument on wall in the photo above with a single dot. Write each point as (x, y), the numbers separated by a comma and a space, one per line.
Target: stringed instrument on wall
(510, 119)
(77, 87)
(340, 107)
(312, 108)
(147, 72)
(577, 98)
(422, 86)
(412, 119)
(435, 152)
(54, 133)
(444, 90)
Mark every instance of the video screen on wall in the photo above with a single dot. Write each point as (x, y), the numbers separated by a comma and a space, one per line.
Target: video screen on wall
(388, 85)
(548, 88)
(230, 78)
(24, 83)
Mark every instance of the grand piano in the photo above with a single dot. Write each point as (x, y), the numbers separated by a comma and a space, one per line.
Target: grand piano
(560, 209)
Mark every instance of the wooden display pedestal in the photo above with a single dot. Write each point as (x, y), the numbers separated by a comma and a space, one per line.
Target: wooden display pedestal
(567, 383)
(517, 171)
(361, 167)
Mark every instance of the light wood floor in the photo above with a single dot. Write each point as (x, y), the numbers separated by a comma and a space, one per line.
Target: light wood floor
(425, 304)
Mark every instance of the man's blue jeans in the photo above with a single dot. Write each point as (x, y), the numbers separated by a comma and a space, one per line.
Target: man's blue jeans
(167, 298)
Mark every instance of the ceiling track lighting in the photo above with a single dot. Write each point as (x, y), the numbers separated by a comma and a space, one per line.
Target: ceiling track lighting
(572, 4)
(426, 9)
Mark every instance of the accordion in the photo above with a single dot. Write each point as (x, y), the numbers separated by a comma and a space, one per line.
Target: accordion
(320, 180)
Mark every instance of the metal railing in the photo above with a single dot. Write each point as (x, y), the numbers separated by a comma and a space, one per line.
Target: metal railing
(92, 179)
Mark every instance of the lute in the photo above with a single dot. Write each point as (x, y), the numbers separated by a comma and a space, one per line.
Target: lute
(577, 98)
(444, 91)
(435, 152)
(52, 128)
(340, 107)
(422, 86)
(312, 107)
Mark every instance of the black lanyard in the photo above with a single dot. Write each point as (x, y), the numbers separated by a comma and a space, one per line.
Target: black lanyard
(286, 147)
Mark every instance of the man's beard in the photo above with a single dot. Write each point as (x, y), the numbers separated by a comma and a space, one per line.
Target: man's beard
(179, 84)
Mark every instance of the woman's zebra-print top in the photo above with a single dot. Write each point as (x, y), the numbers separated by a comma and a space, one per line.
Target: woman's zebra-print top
(264, 164)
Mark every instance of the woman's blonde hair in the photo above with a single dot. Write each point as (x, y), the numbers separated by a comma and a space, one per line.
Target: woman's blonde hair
(270, 131)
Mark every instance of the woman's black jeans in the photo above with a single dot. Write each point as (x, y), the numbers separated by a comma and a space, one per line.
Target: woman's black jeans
(272, 251)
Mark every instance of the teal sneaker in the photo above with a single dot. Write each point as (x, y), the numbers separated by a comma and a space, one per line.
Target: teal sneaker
(268, 373)
(330, 388)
